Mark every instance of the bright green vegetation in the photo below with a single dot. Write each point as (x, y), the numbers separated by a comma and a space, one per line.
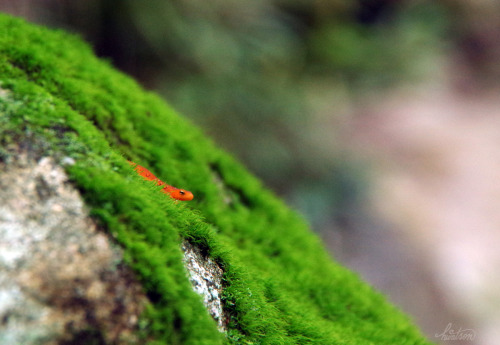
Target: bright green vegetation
(281, 287)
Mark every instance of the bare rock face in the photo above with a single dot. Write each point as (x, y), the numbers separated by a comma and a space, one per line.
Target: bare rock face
(206, 278)
(61, 280)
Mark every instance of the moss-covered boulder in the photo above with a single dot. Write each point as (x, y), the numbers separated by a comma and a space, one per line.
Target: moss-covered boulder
(264, 277)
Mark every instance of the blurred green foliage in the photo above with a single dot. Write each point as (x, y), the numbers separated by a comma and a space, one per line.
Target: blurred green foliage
(268, 79)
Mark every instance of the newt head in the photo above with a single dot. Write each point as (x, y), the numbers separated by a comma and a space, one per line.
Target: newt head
(178, 194)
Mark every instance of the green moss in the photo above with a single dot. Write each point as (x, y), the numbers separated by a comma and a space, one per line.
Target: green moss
(281, 287)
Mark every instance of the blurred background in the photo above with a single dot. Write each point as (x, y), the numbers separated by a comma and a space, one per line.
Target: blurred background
(378, 120)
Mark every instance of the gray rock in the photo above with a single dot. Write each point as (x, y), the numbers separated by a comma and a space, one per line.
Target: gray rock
(61, 280)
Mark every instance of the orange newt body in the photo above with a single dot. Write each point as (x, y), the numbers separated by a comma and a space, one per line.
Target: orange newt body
(175, 193)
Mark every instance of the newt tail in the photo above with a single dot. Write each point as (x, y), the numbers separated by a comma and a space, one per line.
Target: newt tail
(175, 193)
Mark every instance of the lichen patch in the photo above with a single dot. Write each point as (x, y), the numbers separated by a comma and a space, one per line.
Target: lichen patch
(206, 278)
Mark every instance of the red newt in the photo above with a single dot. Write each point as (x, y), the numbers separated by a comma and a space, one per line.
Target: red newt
(175, 193)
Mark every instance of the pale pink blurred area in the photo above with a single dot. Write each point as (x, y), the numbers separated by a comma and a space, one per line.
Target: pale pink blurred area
(434, 151)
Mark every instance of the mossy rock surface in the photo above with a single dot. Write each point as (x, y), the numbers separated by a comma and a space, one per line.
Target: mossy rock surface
(279, 284)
